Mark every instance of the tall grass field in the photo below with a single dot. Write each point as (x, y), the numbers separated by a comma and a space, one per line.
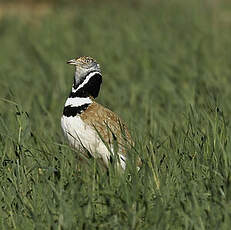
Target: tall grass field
(166, 72)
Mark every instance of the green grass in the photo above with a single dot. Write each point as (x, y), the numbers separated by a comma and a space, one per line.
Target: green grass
(166, 72)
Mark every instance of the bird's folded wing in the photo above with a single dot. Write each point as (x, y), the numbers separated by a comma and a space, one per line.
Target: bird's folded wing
(108, 125)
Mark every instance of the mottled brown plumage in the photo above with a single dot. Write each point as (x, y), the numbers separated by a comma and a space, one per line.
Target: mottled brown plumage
(108, 125)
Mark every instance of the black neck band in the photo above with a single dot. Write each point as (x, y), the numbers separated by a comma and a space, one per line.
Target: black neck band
(91, 88)
(69, 111)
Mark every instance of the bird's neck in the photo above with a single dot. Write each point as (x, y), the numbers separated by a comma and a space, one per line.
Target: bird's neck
(86, 86)
(82, 94)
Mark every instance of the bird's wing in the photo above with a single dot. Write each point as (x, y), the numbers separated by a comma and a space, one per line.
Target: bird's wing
(108, 125)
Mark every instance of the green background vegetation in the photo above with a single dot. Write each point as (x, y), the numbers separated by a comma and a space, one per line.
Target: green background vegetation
(166, 72)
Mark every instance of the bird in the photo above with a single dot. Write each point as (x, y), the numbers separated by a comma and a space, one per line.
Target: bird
(89, 126)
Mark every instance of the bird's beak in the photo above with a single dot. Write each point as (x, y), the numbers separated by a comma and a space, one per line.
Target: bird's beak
(72, 62)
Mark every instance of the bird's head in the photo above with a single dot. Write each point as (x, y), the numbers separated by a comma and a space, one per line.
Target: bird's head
(84, 65)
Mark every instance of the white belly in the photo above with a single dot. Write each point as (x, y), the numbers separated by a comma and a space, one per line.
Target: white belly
(81, 135)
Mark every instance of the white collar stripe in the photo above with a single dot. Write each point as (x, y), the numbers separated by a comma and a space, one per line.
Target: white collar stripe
(77, 101)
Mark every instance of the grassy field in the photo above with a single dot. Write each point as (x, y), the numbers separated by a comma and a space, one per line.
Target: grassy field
(166, 72)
